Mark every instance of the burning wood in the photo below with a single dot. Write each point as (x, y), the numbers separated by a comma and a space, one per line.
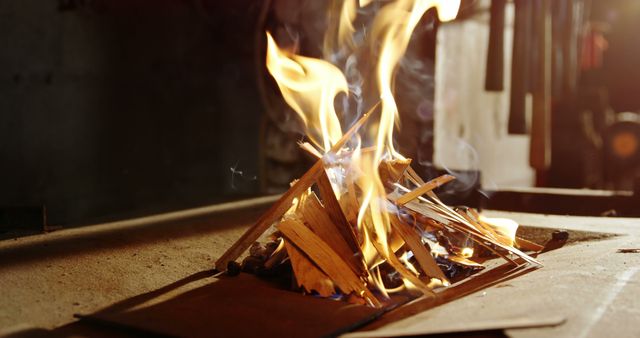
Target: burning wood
(361, 215)
(326, 251)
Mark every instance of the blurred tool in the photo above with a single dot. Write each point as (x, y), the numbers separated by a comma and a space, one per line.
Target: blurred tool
(622, 150)
(520, 67)
(494, 80)
(540, 146)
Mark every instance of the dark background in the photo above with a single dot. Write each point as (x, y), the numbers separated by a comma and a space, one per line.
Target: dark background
(621, 62)
(111, 109)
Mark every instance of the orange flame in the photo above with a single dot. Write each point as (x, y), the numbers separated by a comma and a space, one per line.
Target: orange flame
(505, 228)
(310, 86)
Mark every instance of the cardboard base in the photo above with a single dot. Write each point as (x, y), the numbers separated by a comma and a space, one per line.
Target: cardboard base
(241, 306)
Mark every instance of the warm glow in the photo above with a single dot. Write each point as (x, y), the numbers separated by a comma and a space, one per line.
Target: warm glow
(310, 86)
(447, 10)
(466, 252)
(505, 228)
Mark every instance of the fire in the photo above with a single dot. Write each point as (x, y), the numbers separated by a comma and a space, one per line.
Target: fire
(505, 228)
(466, 252)
(310, 86)
(353, 160)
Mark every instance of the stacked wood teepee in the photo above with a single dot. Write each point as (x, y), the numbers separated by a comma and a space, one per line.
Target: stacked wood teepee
(324, 245)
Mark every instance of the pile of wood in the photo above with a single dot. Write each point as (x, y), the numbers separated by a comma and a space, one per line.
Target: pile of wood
(319, 234)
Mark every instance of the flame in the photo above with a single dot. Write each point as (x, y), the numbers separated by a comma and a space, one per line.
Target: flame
(405, 259)
(505, 228)
(393, 28)
(345, 28)
(311, 85)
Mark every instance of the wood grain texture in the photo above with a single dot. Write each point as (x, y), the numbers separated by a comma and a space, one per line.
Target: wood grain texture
(424, 188)
(316, 217)
(308, 275)
(336, 213)
(326, 258)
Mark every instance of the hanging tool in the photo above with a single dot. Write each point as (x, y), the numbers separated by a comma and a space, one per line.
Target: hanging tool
(494, 80)
(540, 146)
(520, 67)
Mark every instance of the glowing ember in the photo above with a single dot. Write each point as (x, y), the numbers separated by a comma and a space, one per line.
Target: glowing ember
(466, 252)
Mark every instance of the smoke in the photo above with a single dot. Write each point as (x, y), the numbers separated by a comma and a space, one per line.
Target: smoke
(355, 101)
(238, 176)
(463, 163)
(414, 82)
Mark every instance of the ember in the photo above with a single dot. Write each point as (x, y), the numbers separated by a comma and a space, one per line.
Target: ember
(361, 223)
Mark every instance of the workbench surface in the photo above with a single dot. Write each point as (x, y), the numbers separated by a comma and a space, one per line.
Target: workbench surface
(46, 279)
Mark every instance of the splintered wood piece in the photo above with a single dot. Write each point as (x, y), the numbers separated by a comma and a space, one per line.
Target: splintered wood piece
(460, 224)
(351, 200)
(528, 245)
(463, 225)
(334, 210)
(425, 210)
(413, 176)
(424, 188)
(308, 276)
(465, 261)
(316, 217)
(308, 147)
(391, 171)
(354, 128)
(284, 203)
(327, 260)
(413, 240)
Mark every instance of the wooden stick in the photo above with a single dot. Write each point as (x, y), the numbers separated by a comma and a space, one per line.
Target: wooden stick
(356, 126)
(520, 242)
(528, 245)
(454, 224)
(471, 229)
(308, 147)
(412, 175)
(460, 224)
(423, 189)
(391, 171)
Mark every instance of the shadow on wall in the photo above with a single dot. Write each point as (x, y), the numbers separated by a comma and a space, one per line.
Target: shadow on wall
(113, 109)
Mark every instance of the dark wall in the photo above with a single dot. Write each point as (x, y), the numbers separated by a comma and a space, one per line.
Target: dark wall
(621, 71)
(110, 109)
